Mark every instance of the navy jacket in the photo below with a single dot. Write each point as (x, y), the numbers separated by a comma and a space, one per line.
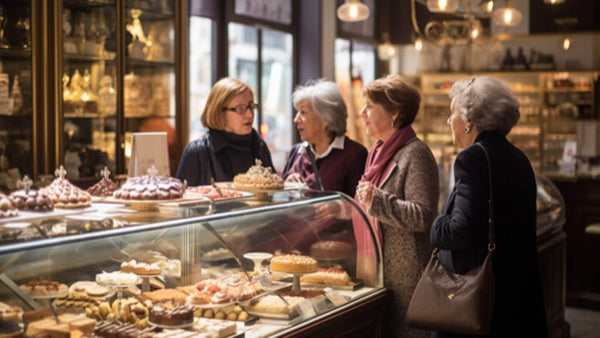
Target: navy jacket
(461, 232)
(214, 155)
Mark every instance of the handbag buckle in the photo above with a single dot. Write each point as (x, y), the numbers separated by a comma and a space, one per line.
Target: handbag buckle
(491, 247)
(451, 296)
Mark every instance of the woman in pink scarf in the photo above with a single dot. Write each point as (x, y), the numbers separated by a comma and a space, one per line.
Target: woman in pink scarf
(399, 191)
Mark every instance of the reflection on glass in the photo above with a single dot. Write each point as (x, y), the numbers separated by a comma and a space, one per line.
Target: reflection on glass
(16, 140)
(276, 82)
(200, 72)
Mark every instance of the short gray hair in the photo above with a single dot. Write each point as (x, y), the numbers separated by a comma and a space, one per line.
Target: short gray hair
(487, 103)
(327, 102)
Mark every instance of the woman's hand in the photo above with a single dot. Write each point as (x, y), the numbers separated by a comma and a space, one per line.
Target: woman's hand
(295, 177)
(364, 191)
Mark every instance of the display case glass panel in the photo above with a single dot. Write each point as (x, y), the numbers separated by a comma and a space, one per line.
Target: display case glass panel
(16, 114)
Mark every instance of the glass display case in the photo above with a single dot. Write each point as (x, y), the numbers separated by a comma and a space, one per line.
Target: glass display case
(550, 207)
(89, 87)
(226, 245)
(16, 100)
(119, 74)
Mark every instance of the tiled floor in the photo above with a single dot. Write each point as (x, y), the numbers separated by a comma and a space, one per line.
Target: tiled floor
(584, 323)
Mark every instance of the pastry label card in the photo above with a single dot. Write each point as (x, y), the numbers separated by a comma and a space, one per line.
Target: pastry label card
(336, 298)
(306, 309)
(147, 150)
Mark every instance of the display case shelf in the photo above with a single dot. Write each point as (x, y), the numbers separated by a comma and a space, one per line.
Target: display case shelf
(70, 57)
(149, 63)
(15, 53)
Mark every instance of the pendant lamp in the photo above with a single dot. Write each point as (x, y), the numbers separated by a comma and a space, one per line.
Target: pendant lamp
(507, 16)
(353, 11)
(443, 6)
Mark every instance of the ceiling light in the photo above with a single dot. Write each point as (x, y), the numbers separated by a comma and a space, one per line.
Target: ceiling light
(507, 16)
(353, 11)
(442, 6)
(554, 2)
(489, 6)
(566, 43)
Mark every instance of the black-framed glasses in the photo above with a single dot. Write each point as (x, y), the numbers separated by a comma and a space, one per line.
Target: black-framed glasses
(241, 109)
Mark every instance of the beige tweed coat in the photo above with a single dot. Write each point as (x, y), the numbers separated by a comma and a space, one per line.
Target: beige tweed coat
(405, 206)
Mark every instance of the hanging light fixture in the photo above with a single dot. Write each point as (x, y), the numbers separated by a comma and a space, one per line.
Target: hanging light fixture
(488, 6)
(507, 16)
(386, 51)
(353, 11)
(554, 2)
(442, 6)
(566, 43)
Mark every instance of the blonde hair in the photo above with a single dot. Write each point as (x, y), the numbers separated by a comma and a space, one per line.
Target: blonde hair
(221, 94)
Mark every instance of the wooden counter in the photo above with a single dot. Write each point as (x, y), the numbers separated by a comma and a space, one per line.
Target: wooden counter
(582, 200)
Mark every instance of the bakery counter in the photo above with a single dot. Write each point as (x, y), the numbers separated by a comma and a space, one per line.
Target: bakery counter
(278, 266)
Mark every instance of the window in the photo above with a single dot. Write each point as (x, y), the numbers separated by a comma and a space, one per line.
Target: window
(354, 68)
(263, 58)
(200, 67)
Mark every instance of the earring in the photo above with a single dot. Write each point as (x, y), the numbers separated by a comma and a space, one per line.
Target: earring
(392, 124)
(467, 130)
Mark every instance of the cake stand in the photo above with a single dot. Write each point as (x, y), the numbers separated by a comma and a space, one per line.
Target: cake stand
(257, 258)
(120, 287)
(296, 282)
(146, 281)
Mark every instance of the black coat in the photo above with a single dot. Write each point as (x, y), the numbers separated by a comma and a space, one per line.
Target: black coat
(214, 155)
(461, 233)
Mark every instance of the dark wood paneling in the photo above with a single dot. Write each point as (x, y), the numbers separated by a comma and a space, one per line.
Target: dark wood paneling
(546, 18)
(367, 319)
(582, 200)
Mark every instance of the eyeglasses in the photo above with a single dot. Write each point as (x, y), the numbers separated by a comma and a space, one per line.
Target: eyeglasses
(241, 109)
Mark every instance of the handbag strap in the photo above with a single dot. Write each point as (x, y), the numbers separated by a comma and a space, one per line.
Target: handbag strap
(491, 243)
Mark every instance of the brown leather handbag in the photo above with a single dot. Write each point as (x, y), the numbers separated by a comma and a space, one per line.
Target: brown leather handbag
(454, 303)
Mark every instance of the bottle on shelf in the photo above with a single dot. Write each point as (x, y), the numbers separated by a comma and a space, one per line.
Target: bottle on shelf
(17, 96)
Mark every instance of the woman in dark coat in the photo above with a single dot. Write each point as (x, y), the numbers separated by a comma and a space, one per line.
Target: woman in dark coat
(230, 145)
(484, 110)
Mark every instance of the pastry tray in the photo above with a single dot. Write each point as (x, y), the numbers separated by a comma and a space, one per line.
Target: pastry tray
(353, 286)
(244, 194)
(278, 316)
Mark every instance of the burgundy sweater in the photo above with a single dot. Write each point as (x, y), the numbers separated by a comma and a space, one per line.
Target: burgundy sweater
(340, 170)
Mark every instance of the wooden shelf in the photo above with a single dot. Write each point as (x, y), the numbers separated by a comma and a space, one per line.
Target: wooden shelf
(87, 116)
(15, 53)
(149, 63)
(87, 58)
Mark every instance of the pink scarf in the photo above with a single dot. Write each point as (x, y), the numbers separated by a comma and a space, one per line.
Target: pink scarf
(376, 169)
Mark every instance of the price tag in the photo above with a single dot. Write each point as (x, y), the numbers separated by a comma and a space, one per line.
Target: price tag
(319, 303)
(336, 298)
(306, 309)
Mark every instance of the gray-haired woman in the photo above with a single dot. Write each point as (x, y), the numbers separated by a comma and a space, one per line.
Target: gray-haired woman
(321, 123)
(484, 110)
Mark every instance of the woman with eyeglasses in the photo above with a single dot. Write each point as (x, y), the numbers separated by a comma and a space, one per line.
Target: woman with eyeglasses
(399, 192)
(327, 159)
(230, 145)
